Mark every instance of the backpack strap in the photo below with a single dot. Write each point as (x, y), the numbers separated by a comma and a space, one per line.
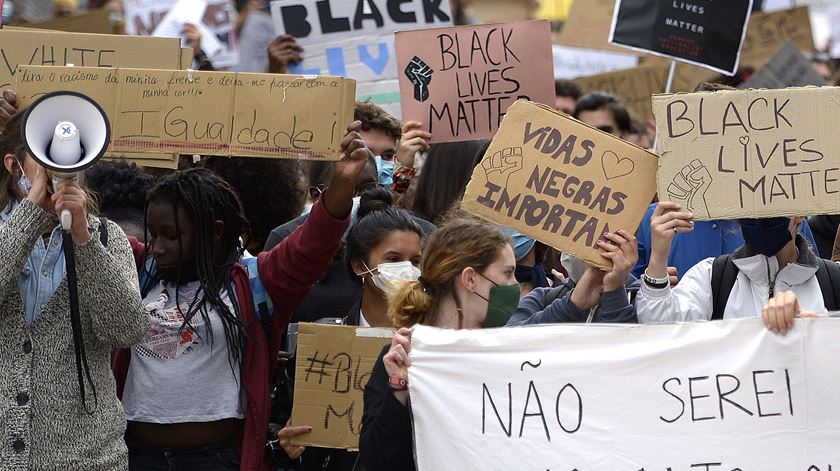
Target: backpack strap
(828, 276)
(724, 274)
(263, 305)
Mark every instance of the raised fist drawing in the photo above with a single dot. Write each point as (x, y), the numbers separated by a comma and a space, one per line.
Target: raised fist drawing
(501, 165)
(689, 188)
(420, 75)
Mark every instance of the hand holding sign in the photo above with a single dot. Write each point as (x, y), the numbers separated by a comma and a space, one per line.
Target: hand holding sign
(501, 165)
(689, 188)
(420, 75)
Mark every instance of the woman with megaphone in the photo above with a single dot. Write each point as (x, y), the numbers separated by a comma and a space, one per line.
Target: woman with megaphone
(53, 415)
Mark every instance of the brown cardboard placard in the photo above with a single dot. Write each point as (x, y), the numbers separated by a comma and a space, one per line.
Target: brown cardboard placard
(750, 153)
(561, 182)
(459, 81)
(168, 111)
(787, 68)
(333, 367)
(770, 31)
(97, 21)
(186, 58)
(588, 25)
(35, 47)
(636, 86)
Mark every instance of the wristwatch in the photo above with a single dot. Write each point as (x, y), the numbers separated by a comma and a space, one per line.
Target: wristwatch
(655, 283)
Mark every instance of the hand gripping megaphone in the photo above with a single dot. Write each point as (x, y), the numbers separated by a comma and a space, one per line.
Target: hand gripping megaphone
(66, 132)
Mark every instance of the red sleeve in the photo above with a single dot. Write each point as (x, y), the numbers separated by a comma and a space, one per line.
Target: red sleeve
(291, 269)
(139, 250)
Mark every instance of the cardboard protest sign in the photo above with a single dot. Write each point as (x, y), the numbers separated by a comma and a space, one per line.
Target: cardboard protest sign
(708, 34)
(460, 81)
(788, 68)
(589, 24)
(166, 111)
(574, 62)
(636, 86)
(215, 19)
(355, 38)
(561, 182)
(333, 367)
(708, 396)
(25, 47)
(770, 31)
(750, 153)
(97, 21)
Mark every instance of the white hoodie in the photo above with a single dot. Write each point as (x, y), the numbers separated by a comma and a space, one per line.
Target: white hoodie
(692, 298)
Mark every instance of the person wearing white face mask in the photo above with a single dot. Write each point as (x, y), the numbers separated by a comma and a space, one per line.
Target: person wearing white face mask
(382, 249)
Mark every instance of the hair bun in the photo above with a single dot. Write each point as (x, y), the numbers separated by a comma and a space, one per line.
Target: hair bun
(374, 199)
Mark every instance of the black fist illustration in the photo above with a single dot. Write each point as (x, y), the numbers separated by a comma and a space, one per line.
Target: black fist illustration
(420, 75)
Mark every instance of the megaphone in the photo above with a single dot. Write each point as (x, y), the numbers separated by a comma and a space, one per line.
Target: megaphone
(66, 132)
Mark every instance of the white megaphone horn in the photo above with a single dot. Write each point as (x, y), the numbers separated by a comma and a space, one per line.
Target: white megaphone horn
(66, 132)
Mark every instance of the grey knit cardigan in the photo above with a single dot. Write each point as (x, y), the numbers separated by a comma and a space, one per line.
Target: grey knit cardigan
(43, 425)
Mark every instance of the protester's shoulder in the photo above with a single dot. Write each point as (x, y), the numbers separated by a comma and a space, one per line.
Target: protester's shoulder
(281, 232)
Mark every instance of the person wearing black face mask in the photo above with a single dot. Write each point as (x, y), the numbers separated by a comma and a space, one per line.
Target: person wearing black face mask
(774, 259)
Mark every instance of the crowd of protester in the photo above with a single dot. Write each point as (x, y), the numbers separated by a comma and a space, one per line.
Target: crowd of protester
(189, 279)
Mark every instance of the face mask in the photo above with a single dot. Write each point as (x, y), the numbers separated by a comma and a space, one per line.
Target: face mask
(766, 236)
(535, 275)
(390, 273)
(574, 266)
(385, 171)
(501, 305)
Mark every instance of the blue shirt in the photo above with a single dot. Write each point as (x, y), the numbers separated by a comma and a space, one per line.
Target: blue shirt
(708, 239)
(43, 271)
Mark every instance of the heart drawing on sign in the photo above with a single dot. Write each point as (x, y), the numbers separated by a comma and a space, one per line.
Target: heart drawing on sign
(744, 140)
(615, 167)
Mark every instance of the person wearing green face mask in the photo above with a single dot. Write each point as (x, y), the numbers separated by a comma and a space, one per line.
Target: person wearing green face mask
(467, 282)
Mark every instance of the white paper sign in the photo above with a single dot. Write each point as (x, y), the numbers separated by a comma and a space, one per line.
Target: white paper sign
(710, 396)
(215, 20)
(355, 39)
(573, 62)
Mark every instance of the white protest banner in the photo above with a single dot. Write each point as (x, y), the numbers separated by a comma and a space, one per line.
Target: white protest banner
(703, 396)
(215, 19)
(750, 153)
(574, 62)
(708, 34)
(355, 38)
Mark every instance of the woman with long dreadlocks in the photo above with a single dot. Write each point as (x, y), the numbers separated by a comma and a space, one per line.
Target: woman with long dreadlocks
(196, 391)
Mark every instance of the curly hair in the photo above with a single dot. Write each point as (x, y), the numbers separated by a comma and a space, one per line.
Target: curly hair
(373, 116)
(270, 191)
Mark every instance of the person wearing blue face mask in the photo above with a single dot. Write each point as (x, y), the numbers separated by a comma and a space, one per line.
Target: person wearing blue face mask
(774, 259)
(529, 254)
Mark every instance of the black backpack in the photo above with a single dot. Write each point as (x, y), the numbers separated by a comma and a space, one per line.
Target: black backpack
(725, 272)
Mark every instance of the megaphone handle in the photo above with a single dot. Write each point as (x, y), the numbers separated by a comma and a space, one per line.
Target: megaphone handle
(66, 220)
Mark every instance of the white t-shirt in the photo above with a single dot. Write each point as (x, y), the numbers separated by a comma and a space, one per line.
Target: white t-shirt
(176, 375)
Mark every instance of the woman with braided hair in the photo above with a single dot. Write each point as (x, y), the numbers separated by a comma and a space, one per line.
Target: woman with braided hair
(195, 389)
